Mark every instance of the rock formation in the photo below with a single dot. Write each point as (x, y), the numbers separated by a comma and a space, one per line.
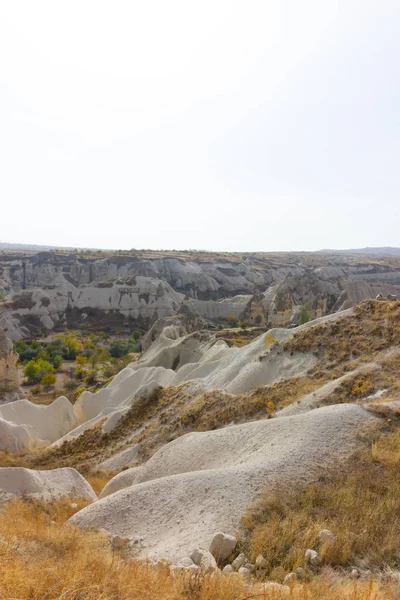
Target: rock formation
(45, 485)
(50, 290)
(9, 378)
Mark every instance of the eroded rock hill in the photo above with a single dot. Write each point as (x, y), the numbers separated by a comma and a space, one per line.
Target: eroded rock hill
(51, 290)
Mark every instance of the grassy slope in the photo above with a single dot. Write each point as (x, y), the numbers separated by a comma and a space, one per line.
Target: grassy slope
(40, 559)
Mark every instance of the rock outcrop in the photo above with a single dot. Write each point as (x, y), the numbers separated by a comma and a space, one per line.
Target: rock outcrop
(44, 485)
(202, 482)
(9, 377)
(51, 290)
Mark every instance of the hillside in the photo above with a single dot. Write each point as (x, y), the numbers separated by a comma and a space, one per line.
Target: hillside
(198, 437)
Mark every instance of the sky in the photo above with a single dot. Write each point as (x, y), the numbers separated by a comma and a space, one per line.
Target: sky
(216, 125)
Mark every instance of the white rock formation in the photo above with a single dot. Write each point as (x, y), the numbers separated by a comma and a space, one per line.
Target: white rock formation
(50, 422)
(45, 485)
(121, 481)
(203, 482)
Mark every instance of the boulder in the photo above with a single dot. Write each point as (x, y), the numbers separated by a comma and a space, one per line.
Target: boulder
(208, 563)
(326, 535)
(222, 545)
(45, 485)
(228, 569)
(204, 559)
(312, 557)
(260, 563)
(239, 561)
(290, 578)
(185, 564)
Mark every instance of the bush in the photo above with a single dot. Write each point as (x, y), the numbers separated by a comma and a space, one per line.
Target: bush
(305, 315)
(36, 369)
(71, 384)
(78, 392)
(48, 380)
(119, 349)
(80, 373)
(27, 351)
(57, 361)
(91, 377)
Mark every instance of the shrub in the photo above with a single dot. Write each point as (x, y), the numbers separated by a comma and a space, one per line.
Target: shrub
(305, 315)
(78, 392)
(36, 369)
(91, 377)
(57, 361)
(27, 351)
(119, 349)
(81, 360)
(80, 373)
(71, 384)
(48, 380)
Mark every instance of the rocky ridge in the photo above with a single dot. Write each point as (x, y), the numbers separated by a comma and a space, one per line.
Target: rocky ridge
(50, 290)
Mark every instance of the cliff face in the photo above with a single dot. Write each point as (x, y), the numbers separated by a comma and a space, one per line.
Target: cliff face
(51, 290)
(212, 277)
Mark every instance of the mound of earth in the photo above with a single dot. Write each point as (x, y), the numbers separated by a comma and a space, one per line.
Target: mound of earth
(203, 482)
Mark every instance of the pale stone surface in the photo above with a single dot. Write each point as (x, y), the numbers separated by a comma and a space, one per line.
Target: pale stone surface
(45, 485)
(239, 561)
(312, 557)
(326, 535)
(203, 482)
(222, 545)
(260, 562)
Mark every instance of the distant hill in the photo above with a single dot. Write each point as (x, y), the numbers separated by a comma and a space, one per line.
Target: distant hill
(384, 250)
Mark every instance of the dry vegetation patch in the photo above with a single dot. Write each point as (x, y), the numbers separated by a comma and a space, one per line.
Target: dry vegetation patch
(41, 559)
(374, 326)
(361, 507)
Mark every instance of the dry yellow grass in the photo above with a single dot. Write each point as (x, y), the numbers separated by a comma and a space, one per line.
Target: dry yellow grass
(374, 326)
(42, 560)
(361, 507)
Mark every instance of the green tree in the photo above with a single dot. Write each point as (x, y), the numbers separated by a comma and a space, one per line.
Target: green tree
(305, 315)
(57, 361)
(36, 369)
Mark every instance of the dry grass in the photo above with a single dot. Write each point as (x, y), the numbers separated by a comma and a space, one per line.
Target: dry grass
(42, 560)
(361, 507)
(374, 326)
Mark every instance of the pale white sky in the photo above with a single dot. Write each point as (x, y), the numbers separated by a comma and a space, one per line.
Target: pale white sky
(220, 125)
